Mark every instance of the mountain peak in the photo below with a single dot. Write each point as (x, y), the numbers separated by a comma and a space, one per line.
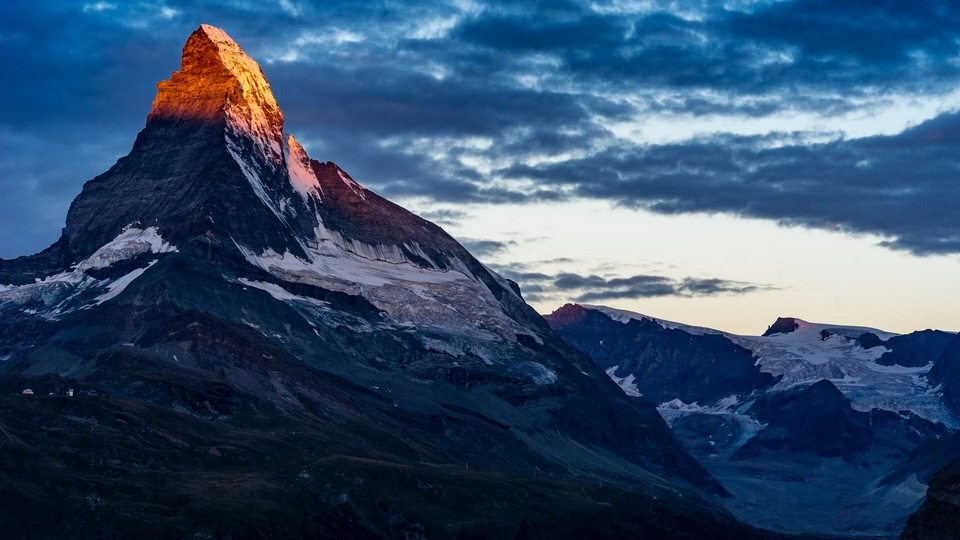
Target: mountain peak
(217, 35)
(218, 81)
(783, 325)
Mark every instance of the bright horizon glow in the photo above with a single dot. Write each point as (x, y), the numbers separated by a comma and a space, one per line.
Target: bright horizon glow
(821, 276)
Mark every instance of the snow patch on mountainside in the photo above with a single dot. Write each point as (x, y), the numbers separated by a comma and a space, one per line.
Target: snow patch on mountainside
(354, 186)
(349, 268)
(63, 293)
(804, 357)
(127, 245)
(730, 408)
(302, 178)
(724, 405)
(253, 177)
(279, 292)
(624, 316)
(625, 383)
(824, 351)
(541, 374)
(119, 284)
(52, 292)
(679, 405)
(447, 309)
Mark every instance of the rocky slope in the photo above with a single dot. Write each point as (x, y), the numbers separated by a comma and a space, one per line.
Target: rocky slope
(819, 420)
(662, 363)
(939, 517)
(840, 438)
(259, 346)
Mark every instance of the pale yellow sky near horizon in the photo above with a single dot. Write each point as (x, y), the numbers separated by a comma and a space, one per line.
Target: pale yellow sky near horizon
(817, 275)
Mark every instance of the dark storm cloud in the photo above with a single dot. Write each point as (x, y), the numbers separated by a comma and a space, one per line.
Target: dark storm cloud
(388, 100)
(593, 288)
(791, 46)
(906, 186)
(596, 288)
(410, 96)
(887, 37)
(713, 286)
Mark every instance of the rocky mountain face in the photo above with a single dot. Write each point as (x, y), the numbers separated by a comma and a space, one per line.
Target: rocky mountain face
(819, 420)
(914, 350)
(794, 420)
(783, 325)
(939, 516)
(945, 373)
(838, 431)
(231, 339)
(662, 363)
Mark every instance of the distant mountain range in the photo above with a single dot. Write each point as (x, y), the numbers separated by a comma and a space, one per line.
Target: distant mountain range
(814, 428)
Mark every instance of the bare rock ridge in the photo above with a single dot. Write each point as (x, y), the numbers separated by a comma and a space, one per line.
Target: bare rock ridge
(294, 356)
(783, 325)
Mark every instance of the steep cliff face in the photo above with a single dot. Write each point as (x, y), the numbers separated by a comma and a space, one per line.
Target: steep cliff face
(661, 363)
(816, 420)
(232, 305)
(939, 516)
(945, 373)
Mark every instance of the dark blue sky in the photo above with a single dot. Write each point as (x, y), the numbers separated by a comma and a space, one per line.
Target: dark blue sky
(498, 102)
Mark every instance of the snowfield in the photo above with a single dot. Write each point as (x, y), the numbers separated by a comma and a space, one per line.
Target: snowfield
(65, 292)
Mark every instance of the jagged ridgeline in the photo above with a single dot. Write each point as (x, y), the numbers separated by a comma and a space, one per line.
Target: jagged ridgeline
(259, 346)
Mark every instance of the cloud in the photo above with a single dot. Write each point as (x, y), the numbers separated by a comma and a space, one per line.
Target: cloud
(98, 6)
(595, 288)
(485, 248)
(503, 102)
(443, 216)
(903, 187)
(793, 48)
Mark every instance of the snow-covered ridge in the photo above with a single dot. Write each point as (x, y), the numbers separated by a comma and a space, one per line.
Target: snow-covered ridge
(804, 327)
(249, 168)
(625, 383)
(624, 316)
(278, 292)
(448, 310)
(353, 185)
(118, 285)
(302, 178)
(362, 265)
(815, 351)
(445, 306)
(61, 293)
